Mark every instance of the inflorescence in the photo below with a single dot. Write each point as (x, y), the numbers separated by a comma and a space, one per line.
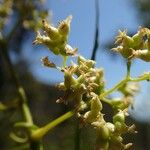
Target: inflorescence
(84, 84)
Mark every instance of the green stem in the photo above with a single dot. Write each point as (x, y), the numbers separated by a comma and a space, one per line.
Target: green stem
(106, 100)
(41, 132)
(141, 78)
(122, 82)
(64, 60)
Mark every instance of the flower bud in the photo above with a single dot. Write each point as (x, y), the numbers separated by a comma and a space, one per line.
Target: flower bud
(89, 63)
(69, 80)
(41, 39)
(96, 105)
(123, 39)
(88, 117)
(110, 126)
(119, 117)
(137, 38)
(69, 50)
(104, 132)
(51, 31)
(64, 26)
(125, 52)
(56, 38)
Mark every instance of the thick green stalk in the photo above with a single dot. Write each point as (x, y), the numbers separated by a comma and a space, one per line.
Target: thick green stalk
(41, 132)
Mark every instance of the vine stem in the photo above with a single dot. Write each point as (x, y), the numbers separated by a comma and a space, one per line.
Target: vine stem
(41, 132)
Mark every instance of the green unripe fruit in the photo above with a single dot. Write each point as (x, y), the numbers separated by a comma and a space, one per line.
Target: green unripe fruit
(105, 132)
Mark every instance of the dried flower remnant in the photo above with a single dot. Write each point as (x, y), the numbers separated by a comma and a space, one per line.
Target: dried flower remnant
(46, 62)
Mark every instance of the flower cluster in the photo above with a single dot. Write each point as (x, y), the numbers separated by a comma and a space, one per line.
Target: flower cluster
(84, 84)
(56, 38)
(137, 46)
(118, 127)
(81, 81)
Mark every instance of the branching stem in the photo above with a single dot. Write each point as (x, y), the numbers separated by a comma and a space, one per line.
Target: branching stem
(41, 132)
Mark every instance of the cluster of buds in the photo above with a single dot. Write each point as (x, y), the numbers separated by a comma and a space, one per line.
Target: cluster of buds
(137, 46)
(56, 38)
(115, 130)
(84, 84)
(109, 135)
(81, 82)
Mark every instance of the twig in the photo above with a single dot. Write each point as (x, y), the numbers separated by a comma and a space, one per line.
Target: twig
(41, 132)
